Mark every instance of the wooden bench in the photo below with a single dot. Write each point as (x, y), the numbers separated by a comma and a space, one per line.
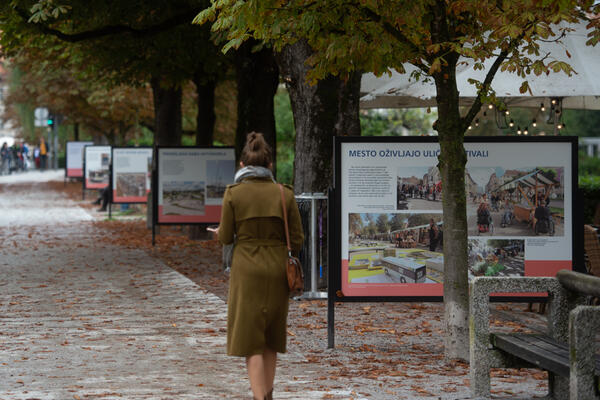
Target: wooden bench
(568, 349)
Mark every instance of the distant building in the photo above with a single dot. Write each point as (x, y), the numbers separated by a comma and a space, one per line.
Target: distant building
(493, 184)
(470, 185)
(432, 177)
(413, 180)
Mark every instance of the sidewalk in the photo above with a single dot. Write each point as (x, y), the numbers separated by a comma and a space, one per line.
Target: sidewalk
(86, 313)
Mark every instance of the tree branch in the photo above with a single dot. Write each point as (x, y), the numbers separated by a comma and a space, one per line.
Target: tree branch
(179, 19)
(391, 30)
(487, 82)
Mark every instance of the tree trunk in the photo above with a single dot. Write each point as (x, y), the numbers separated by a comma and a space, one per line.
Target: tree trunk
(205, 120)
(257, 80)
(452, 162)
(167, 113)
(167, 120)
(205, 127)
(76, 132)
(321, 111)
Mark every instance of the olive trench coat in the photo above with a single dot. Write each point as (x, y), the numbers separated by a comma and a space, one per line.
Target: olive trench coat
(258, 293)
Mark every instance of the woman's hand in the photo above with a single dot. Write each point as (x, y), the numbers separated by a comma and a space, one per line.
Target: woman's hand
(214, 230)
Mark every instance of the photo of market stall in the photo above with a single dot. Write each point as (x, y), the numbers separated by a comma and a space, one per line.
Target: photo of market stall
(395, 248)
(518, 202)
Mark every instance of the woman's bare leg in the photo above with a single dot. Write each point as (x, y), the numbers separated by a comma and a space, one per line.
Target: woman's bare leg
(256, 374)
(269, 362)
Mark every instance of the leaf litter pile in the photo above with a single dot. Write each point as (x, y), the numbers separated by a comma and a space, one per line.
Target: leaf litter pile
(383, 350)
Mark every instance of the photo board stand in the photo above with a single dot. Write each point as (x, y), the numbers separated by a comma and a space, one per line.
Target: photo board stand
(197, 177)
(571, 208)
(74, 159)
(97, 162)
(109, 187)
(332, 250)
(154, 198)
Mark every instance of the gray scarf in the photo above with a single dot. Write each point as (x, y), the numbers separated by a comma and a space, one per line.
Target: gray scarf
(252, 171)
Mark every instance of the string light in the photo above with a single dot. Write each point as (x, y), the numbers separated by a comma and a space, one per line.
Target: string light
(534, 123)
(477, 122)
(518, 130)
(542, 108)
(485, 114)
(553, 101)
(506, 112)
(511, 123)
(561, 125)
(470, 127)
(490, 106)
(525, 132)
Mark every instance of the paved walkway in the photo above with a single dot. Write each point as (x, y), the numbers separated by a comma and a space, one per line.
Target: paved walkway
(85, 318)
(82, 320)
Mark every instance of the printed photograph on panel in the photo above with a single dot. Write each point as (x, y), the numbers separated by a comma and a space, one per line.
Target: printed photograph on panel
(395, 248)
(101, 175)
(219, 174)
(515, 202)
(418, 188)
(496, 257)
(131, 184)
(105, 160)
(183, 198)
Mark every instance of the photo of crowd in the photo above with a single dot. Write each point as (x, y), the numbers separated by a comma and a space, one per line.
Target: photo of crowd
(419, 188)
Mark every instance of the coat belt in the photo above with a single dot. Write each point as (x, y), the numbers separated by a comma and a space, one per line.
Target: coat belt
(261, 242)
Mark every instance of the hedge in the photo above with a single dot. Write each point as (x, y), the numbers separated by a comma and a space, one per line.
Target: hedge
(589, 188)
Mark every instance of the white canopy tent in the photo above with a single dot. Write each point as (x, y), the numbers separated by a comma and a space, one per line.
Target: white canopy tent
(580, 91)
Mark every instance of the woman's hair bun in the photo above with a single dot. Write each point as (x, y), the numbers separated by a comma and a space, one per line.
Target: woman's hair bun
(257, 151)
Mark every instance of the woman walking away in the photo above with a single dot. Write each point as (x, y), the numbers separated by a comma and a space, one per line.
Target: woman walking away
(258, 292)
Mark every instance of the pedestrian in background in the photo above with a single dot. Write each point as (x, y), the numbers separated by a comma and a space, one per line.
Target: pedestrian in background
(433, 235)
(5, 155)
(43, 153)
(36, 157)
(258, 292)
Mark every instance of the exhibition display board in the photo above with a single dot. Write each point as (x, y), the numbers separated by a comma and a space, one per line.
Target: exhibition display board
(74, 159)
(190, 183)
(96, 167)
(131, 174)
(389, 225)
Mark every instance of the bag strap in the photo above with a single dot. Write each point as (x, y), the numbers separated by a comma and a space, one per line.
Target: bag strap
(285, 221)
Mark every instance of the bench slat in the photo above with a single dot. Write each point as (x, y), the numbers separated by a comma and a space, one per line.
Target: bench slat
(565, 347)
(538, 349)
(533, 349)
